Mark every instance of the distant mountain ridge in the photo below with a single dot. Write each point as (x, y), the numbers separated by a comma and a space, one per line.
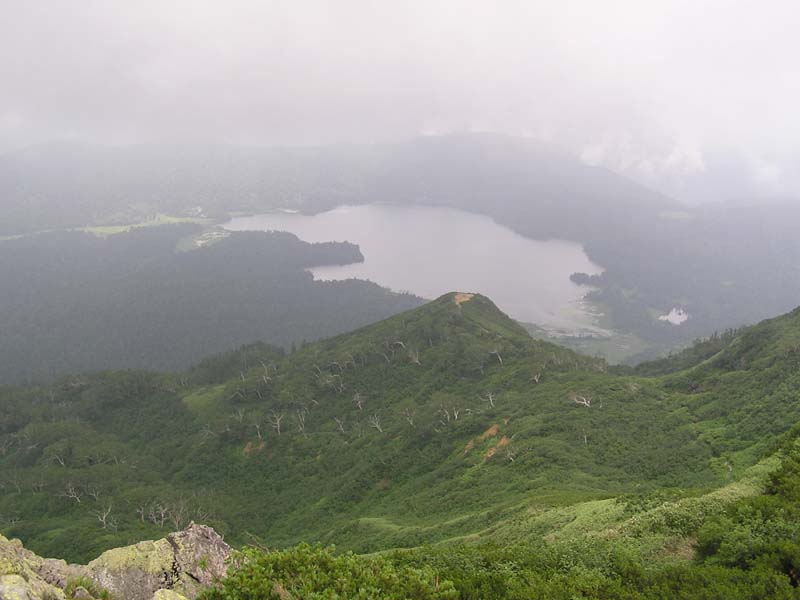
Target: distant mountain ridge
(66, 185)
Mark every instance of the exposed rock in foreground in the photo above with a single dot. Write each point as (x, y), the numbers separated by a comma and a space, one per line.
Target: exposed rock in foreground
(176, 567)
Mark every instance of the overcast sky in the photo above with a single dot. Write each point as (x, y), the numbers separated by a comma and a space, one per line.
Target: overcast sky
(662, 91)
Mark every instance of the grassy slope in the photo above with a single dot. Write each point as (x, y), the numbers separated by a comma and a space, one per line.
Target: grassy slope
(536, 464)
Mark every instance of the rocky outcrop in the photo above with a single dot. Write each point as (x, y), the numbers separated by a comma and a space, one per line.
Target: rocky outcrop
(19, 574)
(177, 567)
(186, 562)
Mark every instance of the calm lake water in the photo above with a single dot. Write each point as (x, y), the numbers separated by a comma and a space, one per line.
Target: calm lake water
(431, 251)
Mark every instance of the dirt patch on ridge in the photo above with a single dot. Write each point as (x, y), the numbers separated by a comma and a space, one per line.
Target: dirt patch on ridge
(460, 298)
(491, 432)
(504, 441)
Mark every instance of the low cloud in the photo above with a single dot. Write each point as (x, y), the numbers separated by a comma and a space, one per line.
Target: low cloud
(651, 89)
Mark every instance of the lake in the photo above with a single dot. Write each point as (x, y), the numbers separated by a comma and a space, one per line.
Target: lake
(429, 251)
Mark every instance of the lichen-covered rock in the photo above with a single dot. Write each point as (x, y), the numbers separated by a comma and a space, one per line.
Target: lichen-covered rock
(185, 561)
(168, 595)
(57, 572)
(14, 587)
(19, 574)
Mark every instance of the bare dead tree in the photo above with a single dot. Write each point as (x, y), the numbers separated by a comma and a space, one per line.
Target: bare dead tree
(238, 415)
(510, 454)
(489, 399)
(265, 377)
(375, 421)
(58, 457)
(445, 413)
(300, 421)
(409, 415)
(496, 353)
(257, 426)
(338, 383)
(38, 486)
(582, 400)
(141, 510)
(103, 515)
(70, 491)
(413, 356)
(94, 492)
(535, 378)
(359, 400)
(339, 423)
(275, 420)
(178, 513)
(158, 513)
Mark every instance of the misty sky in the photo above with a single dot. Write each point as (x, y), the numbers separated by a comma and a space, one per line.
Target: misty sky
(661, 91)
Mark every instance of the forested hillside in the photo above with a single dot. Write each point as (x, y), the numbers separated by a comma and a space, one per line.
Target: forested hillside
(725, 265)
(441, 424)
(150, 298)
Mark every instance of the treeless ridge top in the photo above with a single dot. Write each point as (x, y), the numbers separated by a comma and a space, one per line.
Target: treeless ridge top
(460, 298)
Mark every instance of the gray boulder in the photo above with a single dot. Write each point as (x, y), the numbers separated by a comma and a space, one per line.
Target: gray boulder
(184, 562)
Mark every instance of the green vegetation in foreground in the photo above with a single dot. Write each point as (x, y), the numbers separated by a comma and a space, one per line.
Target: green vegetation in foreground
(316, 573)
(444, 426)
(742, 541)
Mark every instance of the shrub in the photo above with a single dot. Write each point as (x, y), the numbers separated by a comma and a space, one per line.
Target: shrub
(317, 573)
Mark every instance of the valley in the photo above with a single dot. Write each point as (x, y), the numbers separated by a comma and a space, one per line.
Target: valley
(443, 425)
(364, 300)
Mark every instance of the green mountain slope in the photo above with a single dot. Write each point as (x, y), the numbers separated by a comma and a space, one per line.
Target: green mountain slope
(447, 422)
(75, 302)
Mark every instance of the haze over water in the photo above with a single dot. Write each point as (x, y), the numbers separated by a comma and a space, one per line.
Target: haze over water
(430, 251)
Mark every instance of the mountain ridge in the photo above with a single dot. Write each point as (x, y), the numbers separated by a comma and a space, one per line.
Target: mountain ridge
(437, 423)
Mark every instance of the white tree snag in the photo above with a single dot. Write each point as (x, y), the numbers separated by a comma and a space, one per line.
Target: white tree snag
(275, 420)
(375, 421)
(339, 423)
(70, 491)
(582, 400)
